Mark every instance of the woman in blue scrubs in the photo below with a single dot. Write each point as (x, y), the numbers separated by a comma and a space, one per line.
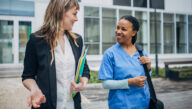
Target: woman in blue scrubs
(122, 71)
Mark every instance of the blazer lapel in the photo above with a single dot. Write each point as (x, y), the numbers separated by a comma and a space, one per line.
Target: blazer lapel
(52, 79)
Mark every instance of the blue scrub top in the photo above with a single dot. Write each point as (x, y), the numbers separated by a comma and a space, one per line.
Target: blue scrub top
(117, 64)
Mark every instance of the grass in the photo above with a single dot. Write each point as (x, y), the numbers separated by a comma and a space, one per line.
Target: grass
(94, 74)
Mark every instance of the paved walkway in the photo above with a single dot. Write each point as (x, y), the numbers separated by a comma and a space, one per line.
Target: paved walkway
(175, 95)
(172, 100)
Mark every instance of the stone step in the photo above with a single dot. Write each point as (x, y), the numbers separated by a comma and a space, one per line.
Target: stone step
(10, 72)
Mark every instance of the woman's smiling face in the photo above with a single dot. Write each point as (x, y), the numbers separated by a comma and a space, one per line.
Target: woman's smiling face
(69, 18)
(124, 32)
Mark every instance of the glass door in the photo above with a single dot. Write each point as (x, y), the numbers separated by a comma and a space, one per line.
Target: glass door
(6, 36)
(24, 33)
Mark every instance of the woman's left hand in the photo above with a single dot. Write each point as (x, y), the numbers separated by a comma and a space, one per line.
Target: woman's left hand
(80, 86)
(145, 60)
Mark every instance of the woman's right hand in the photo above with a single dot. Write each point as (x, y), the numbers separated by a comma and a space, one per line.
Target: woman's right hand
(35, 98)
(138, 81)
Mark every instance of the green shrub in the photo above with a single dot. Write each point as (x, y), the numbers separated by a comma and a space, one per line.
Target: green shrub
(161, 73)
(94, 77)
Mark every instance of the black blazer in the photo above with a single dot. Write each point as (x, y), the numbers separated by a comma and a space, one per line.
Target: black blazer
(37, 66)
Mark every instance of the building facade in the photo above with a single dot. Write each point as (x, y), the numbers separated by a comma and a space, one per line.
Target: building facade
(97, 23)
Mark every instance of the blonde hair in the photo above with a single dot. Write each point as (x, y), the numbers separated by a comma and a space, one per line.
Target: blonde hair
(52, 20)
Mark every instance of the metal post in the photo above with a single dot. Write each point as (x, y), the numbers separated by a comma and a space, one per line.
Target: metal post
(156, 49)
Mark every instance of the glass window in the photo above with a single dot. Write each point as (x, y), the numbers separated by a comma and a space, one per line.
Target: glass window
(108, 28)
(17, 7)
(93, 48)
(124, 13)
(91, 29)
(190, 33)
(24, 33)
(140, 3)
(168, 35)
(181, 36)
(158, 4)
(6, 36)
(142, 35)
(152, 32)
(122, 2)
(91, 12)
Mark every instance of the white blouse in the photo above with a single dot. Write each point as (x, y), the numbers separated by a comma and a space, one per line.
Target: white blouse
(65, 73)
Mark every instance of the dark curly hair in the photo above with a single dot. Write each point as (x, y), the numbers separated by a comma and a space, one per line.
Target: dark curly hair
(135, 23)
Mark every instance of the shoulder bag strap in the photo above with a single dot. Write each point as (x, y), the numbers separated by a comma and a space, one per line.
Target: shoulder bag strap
(151, 88)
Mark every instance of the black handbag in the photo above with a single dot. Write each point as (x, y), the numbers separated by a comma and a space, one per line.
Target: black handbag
(154, 102)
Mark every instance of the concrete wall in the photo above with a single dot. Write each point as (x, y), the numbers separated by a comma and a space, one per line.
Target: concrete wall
(40, 8)
(98, 2)
(178, 5)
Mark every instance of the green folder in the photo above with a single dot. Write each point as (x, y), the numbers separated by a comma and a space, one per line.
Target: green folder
(80, 67)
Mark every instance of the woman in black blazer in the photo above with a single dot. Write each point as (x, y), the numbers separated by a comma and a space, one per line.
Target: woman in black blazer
(40, 75)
